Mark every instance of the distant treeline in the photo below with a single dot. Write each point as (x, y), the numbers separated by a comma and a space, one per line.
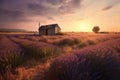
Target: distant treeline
(12, 30)
(109, 32)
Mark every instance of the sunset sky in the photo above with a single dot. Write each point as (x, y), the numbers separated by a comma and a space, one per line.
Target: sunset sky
(71, 15)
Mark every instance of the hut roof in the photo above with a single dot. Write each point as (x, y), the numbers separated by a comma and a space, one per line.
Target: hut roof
(44, 27)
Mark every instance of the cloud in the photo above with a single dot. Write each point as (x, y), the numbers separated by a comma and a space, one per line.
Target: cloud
(36, 9)
(55, 2)
(12, 16)
(54, 7)
(8, 15)
(17, 9)
(107, 8)
(21, 11)
(111, 4)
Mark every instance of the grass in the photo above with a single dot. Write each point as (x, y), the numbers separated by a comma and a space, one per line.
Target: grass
(41, 53)
(90, 42)
(68, 42)
(74, 43)
(93, 65)
(12, 58)
(8, 64)
(100, 62)
(81, 45)
(84, 67)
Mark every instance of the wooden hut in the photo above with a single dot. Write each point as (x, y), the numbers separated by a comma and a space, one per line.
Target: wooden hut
(50, 29)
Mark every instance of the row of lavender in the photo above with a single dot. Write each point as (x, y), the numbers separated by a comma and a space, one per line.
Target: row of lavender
(99, 62)
(71, 42)
(15, 52)
(10, 57)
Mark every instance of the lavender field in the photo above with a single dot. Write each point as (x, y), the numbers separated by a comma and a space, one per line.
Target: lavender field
(72, 56)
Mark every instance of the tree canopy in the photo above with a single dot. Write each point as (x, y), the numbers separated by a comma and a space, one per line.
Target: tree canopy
(96, 29)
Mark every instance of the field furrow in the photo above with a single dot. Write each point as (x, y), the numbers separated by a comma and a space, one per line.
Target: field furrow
(7, 46)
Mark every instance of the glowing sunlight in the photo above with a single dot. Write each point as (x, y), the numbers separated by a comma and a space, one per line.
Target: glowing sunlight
(85, 27)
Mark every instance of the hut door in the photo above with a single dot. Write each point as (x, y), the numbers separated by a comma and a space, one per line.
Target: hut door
(46, 32)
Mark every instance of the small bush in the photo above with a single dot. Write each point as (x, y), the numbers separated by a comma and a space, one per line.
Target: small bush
(90, 42)
(41, 52)
(77, 41)
(84, 44)
(81, 45)
(68, 42)
(65, 42)
(60, 33)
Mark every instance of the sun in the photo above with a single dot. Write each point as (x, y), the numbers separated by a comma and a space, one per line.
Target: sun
(85, 27)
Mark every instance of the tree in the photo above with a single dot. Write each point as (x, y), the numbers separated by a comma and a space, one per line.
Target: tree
(96, 29)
